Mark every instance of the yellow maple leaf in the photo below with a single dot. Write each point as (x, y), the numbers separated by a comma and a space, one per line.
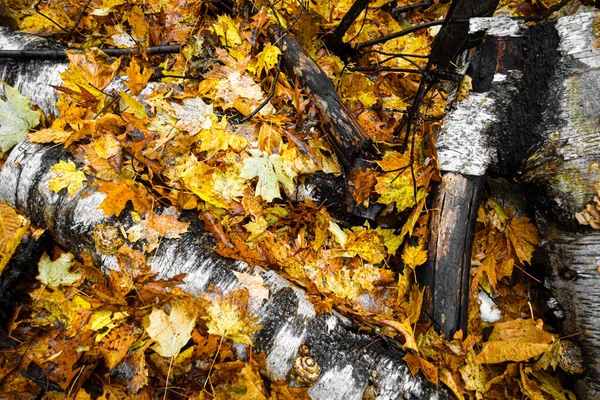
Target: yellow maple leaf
(66, 176)
(367, 244)
(265, 60)
(413, 256)
(171, 332)
(256, 228)
(56, 273)
(119, 193)
(198, 177)
(228, 316)
(397, 189)
(219, 138)
(523, 237)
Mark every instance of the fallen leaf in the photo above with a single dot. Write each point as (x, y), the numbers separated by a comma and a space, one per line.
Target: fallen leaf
(66, 176)
(57, 272)
(16, 117)
(171, 332)
(194, 115)
(270, 172)
(228, 316)
(12, 228)
(413, 256)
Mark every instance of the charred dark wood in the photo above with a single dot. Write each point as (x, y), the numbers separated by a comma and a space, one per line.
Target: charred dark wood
(20, 273)
(346, 135)
(452, 38)
(335, 40)
(447, 270)
(61, 54)
(533, 118)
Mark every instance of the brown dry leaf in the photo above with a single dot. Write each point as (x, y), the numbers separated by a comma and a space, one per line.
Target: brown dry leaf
(117, 343)
(238, 380)
(154, 227)
(488, 266)
(12, 228)
(91, 69)
(521, 330)
(363, 181)
(515, 340)
(137, 78)
(405, 328)
(449, 380)
(523, 236)
(498, 351)
(281, 391)
(474, 375)
(551, 385)
(50, 135)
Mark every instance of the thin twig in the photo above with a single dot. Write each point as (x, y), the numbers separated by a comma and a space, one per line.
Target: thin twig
(394, 12)
(62, 54)
(397, 34)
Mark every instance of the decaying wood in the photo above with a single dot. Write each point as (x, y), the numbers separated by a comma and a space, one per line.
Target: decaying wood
(347, 137)
(288, 319)
(447, 271)
(464, 154)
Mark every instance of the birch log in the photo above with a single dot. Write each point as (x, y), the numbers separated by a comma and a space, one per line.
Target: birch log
(565, 167)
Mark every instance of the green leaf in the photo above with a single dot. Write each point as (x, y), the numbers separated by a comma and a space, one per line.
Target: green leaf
(16, 117)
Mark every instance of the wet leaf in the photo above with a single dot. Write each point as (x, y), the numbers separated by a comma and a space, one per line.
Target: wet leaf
(57, 272)
(16, 117)
(270, 172)
(171, 332)
(66, 176)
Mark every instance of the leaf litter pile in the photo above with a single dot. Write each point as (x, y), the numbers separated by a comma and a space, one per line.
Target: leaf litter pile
(171, 130)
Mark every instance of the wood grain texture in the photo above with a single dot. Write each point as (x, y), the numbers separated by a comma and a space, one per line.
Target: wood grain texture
(452, 228)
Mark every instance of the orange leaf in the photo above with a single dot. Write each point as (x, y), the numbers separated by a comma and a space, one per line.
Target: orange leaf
(119, 193)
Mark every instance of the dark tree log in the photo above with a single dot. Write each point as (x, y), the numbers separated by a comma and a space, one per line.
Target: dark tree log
(347, 137)
(288, 319)
(335, 39)
(452, 229)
